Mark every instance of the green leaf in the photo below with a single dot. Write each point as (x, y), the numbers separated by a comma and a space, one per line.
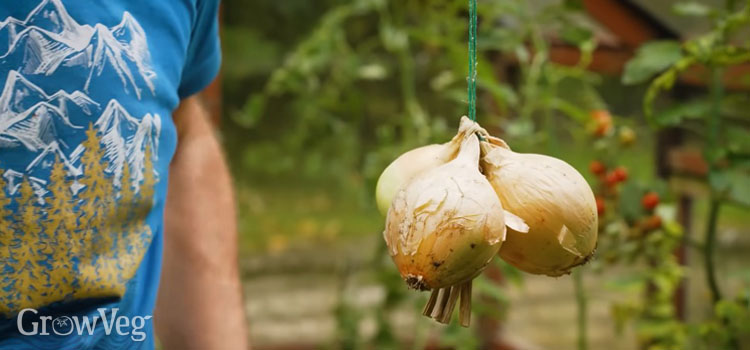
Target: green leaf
(240, 43)
(663, 82)
(691, 8)
(373, 71)
(632, 282)
(675, 114)
(673, 229)
(655, 329)
(571, 110)
(651, 59)
(252, 112)
(501, 92)
(739, 192)
(737, 139)
(719, 181)
(503, 39)
(623, 313)
(394, 39)
(442, 80)
(734, 107)
(630, 201)
(575, 35)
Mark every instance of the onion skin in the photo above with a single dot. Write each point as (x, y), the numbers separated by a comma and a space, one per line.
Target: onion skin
(408, 165)
(553, 199)
(417, 161)
(447, 224)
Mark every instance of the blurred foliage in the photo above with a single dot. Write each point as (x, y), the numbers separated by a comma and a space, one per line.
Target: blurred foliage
(721, 134)
(634, 232)
(373, 78)
(322, 95)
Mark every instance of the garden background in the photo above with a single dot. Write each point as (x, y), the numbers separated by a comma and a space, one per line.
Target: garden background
(317, 97)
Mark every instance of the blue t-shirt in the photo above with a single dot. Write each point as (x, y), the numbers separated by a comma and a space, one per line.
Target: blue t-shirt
(86, 138)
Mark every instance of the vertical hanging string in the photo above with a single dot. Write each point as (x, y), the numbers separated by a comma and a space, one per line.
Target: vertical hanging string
(472, 78)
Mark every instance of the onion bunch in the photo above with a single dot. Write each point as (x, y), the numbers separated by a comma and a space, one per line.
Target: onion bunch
(447, 207)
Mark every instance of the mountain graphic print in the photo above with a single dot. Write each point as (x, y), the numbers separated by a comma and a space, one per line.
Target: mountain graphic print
(77, 172)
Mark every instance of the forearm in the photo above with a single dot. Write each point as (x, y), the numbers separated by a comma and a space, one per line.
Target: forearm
(200, 299)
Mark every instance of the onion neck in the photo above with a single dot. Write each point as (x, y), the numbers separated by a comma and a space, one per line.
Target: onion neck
(469, 151)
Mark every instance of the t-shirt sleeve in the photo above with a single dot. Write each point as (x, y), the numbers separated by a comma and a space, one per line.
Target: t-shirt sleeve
(204, 50)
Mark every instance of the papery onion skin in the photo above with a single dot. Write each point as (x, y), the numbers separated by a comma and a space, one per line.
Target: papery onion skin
(408, 165)
(554, 200)
(447, 224)
(417, 161)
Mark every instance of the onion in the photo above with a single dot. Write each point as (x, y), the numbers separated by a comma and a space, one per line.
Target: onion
(446, 220)
(408, 165)
(444, 226)
(553, 199)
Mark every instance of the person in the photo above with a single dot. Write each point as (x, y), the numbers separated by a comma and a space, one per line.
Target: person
(116, 208)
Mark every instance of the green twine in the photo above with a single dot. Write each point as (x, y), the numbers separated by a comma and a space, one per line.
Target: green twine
(472, 78)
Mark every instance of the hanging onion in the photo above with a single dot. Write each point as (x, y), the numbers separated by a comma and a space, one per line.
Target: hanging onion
(445, 225)
(553, 199)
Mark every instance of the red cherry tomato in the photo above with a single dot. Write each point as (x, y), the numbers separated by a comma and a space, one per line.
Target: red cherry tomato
(611, 179)
(650, 200)
(600, 207)
(602, 120)
(620, 174)
(597, 168)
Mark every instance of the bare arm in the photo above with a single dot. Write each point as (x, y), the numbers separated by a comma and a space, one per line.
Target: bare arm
(200, 299)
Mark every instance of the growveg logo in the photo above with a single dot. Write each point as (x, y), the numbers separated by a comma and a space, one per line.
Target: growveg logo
(110, 323)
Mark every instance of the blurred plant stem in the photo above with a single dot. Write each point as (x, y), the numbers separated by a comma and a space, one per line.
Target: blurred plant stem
(713, 209)
(582, 309)
(714, 120)
(712, 156)
(549, 125)
(708, 250)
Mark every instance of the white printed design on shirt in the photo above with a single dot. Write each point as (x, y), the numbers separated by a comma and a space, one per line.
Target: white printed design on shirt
(74, 198)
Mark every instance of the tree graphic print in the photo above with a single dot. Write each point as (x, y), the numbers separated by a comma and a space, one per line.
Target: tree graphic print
(125, 213)
(28, 252)
(95, 185)
(60, 225)
(6, 231)
(6, 239)
(63, 246)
